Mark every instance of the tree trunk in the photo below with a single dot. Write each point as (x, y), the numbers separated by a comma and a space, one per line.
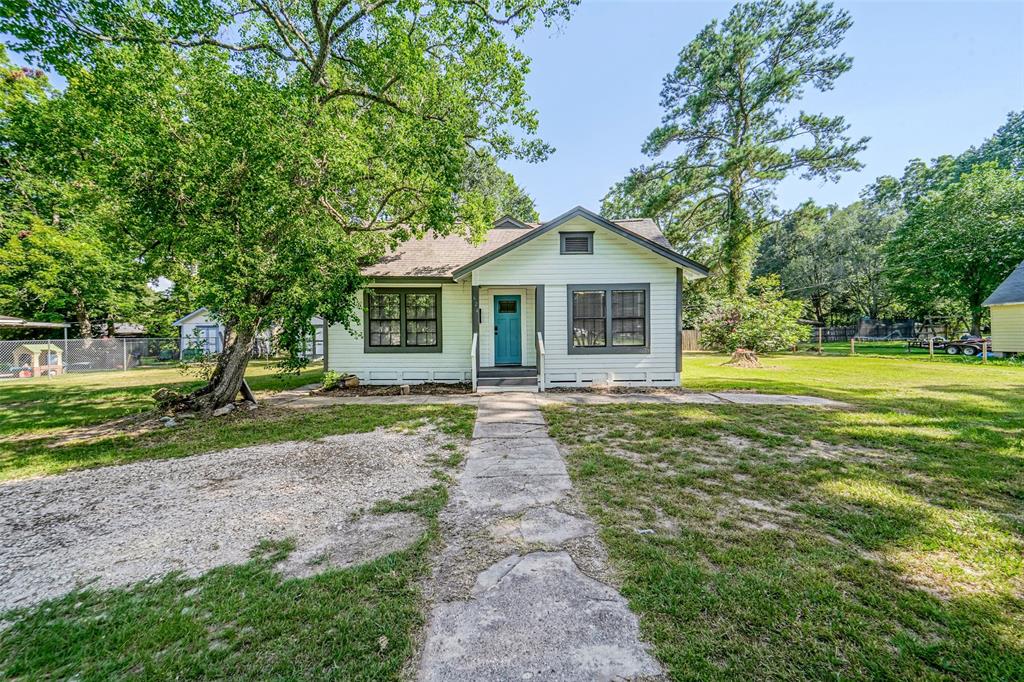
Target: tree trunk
(977, 311)
(738, 248)
(82, 316)
(227, 378)
(976, 314)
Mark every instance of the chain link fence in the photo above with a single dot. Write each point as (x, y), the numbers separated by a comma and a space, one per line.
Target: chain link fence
(54, 357)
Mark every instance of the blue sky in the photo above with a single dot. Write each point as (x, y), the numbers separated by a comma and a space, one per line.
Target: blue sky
(927, 79)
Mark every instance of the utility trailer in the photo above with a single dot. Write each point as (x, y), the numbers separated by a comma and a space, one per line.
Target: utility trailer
(969, 346)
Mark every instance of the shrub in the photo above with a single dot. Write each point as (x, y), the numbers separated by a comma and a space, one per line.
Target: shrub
(331, 379)
(761, 320)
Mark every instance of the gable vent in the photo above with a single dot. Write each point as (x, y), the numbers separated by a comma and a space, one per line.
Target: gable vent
(577, 242)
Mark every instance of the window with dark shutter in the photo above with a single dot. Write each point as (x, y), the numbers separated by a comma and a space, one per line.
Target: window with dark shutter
(574, 243)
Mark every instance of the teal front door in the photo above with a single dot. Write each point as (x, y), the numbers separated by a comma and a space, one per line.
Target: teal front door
(507, 337)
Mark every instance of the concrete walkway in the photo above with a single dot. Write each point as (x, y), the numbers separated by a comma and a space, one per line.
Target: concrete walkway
(519, 591)
(303, 400)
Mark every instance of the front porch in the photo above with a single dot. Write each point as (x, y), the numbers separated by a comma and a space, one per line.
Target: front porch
(508, 330)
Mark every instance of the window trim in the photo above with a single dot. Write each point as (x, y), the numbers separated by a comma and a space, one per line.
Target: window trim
(590, 243)
(608, 348)
(367, 348)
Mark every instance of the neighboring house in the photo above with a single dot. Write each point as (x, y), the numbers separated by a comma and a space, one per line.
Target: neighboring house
(124, 330)
(575, 301)
(1007, 304)
(200, 328)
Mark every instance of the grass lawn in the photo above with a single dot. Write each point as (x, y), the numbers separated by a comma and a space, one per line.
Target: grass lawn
(43, 404)
(883, 541)
(247, 622)
(37, 414)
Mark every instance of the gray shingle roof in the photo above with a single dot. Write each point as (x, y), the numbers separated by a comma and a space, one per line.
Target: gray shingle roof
(1011, 290)
(434, 256)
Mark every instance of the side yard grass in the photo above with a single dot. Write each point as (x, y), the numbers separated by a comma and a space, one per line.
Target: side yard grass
(55, 425)
(44, 404)
(20, 458)
(883, 541)
(248, 621)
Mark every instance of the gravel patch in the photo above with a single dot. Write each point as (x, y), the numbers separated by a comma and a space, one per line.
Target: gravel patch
(118, 525)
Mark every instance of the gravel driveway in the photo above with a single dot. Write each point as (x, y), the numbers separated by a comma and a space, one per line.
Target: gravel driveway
(122, 524)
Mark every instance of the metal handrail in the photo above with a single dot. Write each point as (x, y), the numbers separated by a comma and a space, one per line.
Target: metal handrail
(472, 357)
(540, 361)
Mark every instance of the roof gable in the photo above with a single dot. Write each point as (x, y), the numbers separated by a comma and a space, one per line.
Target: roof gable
(437, 258)
(184, 318)
(658, 247)
(1011, 290)
(507, 222)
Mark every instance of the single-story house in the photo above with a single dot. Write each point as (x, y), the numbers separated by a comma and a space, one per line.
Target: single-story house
(1007, 307)
(575, 301)
(200, 329)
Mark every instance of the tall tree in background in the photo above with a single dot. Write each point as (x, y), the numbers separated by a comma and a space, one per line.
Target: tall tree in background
(484, 175)
(807, 257)
(1005, 148)
(960, 242)
(270, 149)
(727, 107)
(832, 258)
(55, 263)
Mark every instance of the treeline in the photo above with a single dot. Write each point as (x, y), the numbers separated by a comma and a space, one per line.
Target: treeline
(934, 242)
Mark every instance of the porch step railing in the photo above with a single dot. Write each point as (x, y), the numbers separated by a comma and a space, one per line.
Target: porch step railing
(540, 361)
(472, 357)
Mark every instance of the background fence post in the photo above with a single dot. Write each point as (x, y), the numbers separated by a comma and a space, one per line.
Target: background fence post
(124, 355)
(853, 349)
(931, 348)
(819, 340)
(984, 352)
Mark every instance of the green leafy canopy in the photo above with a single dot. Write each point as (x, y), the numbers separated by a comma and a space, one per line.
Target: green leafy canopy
(729, 116)
(960, 242)
(268, 150)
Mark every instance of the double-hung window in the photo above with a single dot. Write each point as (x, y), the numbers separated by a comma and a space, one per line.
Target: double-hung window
(402, 321)
(609, 318)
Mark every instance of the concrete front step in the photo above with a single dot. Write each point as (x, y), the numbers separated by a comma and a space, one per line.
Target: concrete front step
(506, 381)
(504, 371)
(481, 388)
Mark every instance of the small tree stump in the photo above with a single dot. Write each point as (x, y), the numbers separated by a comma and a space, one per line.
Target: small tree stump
(742, 357)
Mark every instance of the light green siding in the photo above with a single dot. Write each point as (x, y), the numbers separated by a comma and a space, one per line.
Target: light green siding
(615, 260)
(1008, 328)
(345, 347)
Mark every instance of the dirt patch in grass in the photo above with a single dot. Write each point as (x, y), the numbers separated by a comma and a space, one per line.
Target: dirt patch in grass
(119, 525)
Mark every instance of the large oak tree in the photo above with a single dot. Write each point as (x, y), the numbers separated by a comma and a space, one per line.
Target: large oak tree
(269, 149)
